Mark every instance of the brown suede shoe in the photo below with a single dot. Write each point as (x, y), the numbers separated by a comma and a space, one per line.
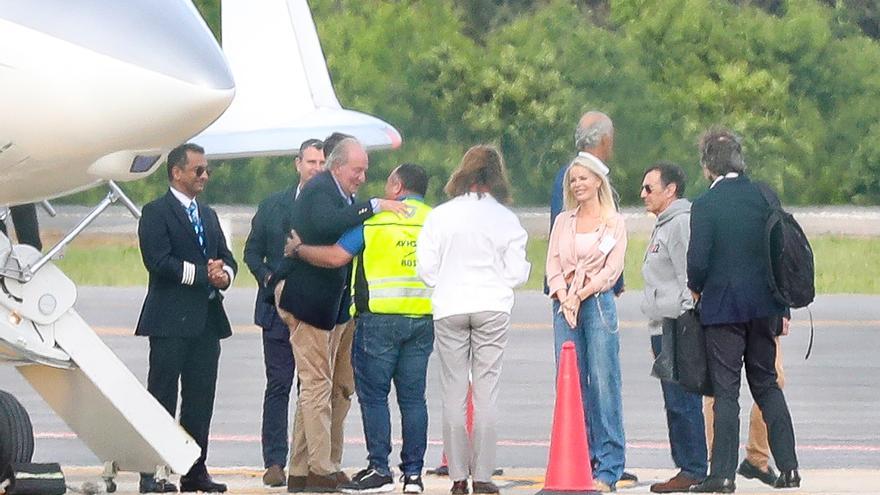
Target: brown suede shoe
(316, 483)
(296, 484)
(342, 478)
(274, 476)
(677, 484)
(485, 487)
(459, 487)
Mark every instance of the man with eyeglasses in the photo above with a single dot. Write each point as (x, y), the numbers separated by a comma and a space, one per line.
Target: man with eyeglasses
(189, 263)
(263, 254)
(666, 297)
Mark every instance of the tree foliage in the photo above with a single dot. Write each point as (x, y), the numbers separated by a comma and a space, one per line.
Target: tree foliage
(798, 79)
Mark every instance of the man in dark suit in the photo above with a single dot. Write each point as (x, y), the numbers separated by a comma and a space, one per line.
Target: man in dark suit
(263, 253)
(728, 272)
(314, 303)
(188, 262)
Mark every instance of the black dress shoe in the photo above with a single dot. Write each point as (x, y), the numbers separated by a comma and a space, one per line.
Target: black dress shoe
(748, 470)
(202, 483)
(788, 479)
(715, 485)
(148, 484)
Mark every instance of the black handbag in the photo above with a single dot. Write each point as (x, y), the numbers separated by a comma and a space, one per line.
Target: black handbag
(691, 367)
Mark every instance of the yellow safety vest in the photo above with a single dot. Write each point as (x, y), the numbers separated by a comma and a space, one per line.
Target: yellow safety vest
(385, 278)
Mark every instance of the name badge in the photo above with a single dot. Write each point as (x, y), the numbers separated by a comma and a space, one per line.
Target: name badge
(607, 244)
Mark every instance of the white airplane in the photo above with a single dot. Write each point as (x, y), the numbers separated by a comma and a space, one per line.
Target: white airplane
(96, 92)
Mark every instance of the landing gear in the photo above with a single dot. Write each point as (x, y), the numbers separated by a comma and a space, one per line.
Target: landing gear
(16, 434)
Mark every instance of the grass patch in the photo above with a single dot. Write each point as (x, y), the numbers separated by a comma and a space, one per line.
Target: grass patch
(843, 264)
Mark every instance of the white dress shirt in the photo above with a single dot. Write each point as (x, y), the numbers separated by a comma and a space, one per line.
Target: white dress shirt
(472, 250)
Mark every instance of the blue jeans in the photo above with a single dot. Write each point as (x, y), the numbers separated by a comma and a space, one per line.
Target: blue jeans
(278, 358)
(393, 348)
(597, 346)
(687, 430)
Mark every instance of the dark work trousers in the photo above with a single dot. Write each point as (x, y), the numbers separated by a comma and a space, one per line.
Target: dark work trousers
(192, 361)
(278, 358)
(27, 228)
(728, 346)
(684, 419)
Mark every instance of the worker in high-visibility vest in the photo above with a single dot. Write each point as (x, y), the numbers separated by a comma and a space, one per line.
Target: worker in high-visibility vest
(394, 333)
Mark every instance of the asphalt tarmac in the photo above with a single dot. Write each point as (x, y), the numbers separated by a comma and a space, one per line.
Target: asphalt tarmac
(833, 396)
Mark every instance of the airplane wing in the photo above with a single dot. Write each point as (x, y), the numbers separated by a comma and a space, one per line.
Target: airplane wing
(283, 90)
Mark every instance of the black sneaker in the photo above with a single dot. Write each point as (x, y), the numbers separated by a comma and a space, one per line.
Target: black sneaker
(626, 480)
(412, 483)
(369, 481)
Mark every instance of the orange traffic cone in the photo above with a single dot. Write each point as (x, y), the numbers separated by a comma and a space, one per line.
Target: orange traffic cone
(568, 470)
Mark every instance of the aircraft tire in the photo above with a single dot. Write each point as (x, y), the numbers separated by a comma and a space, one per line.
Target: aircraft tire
(16, 434)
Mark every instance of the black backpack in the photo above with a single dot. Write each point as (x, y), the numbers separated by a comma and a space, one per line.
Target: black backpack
(792, 272)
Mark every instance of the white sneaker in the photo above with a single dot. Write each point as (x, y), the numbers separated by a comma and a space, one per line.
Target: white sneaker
(412, 483)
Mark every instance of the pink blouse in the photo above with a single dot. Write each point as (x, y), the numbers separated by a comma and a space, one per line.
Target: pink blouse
(593, 270)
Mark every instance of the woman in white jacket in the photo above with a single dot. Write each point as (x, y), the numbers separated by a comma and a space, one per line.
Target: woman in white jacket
(472, 251)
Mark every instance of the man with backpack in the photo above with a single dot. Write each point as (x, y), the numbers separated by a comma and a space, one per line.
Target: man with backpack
(729, 272)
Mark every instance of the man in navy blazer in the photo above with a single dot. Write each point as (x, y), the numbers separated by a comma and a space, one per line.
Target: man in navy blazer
(263, 254)
(188, 262)
(314, 302)
(728, 272)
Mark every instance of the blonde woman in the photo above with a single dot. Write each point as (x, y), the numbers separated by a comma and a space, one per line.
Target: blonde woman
(472, 250)
(584, 260)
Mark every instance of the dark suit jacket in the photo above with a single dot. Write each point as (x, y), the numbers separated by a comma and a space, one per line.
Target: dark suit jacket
(167, 240)
(727, 257)
(264, 249)
(320, 216)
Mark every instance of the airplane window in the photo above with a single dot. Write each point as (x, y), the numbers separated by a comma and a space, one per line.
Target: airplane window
(141, 164)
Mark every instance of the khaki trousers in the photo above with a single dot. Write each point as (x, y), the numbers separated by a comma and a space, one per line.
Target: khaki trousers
(326, 384)
(758, 445)
(470, 344)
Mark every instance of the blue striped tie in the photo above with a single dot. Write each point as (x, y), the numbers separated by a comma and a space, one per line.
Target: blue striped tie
(196, 222)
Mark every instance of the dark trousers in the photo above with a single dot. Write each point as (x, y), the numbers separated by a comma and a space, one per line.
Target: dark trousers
(192, 362)
(684, 419)
(278, 358)
(728, 347)
(27, 228)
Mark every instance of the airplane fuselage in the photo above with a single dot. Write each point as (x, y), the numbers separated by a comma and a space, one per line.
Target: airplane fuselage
(80, 107)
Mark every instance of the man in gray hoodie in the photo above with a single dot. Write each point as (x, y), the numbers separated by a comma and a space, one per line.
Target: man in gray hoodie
(667, 296)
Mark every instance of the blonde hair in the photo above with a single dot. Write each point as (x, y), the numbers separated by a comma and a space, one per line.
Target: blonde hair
(482, 165)
(606, 198)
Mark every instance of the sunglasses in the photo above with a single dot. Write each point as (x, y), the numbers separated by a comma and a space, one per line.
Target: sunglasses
(647, 188)
(202, 170)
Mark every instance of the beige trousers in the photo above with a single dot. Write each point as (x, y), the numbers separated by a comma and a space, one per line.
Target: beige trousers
(470, 344)
(758, 445)
(326, 384)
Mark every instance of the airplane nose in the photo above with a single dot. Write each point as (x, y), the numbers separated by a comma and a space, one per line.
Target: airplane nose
(165, 36)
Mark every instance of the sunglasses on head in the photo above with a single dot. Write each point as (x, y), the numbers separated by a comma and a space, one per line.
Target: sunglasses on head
(202, 170)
